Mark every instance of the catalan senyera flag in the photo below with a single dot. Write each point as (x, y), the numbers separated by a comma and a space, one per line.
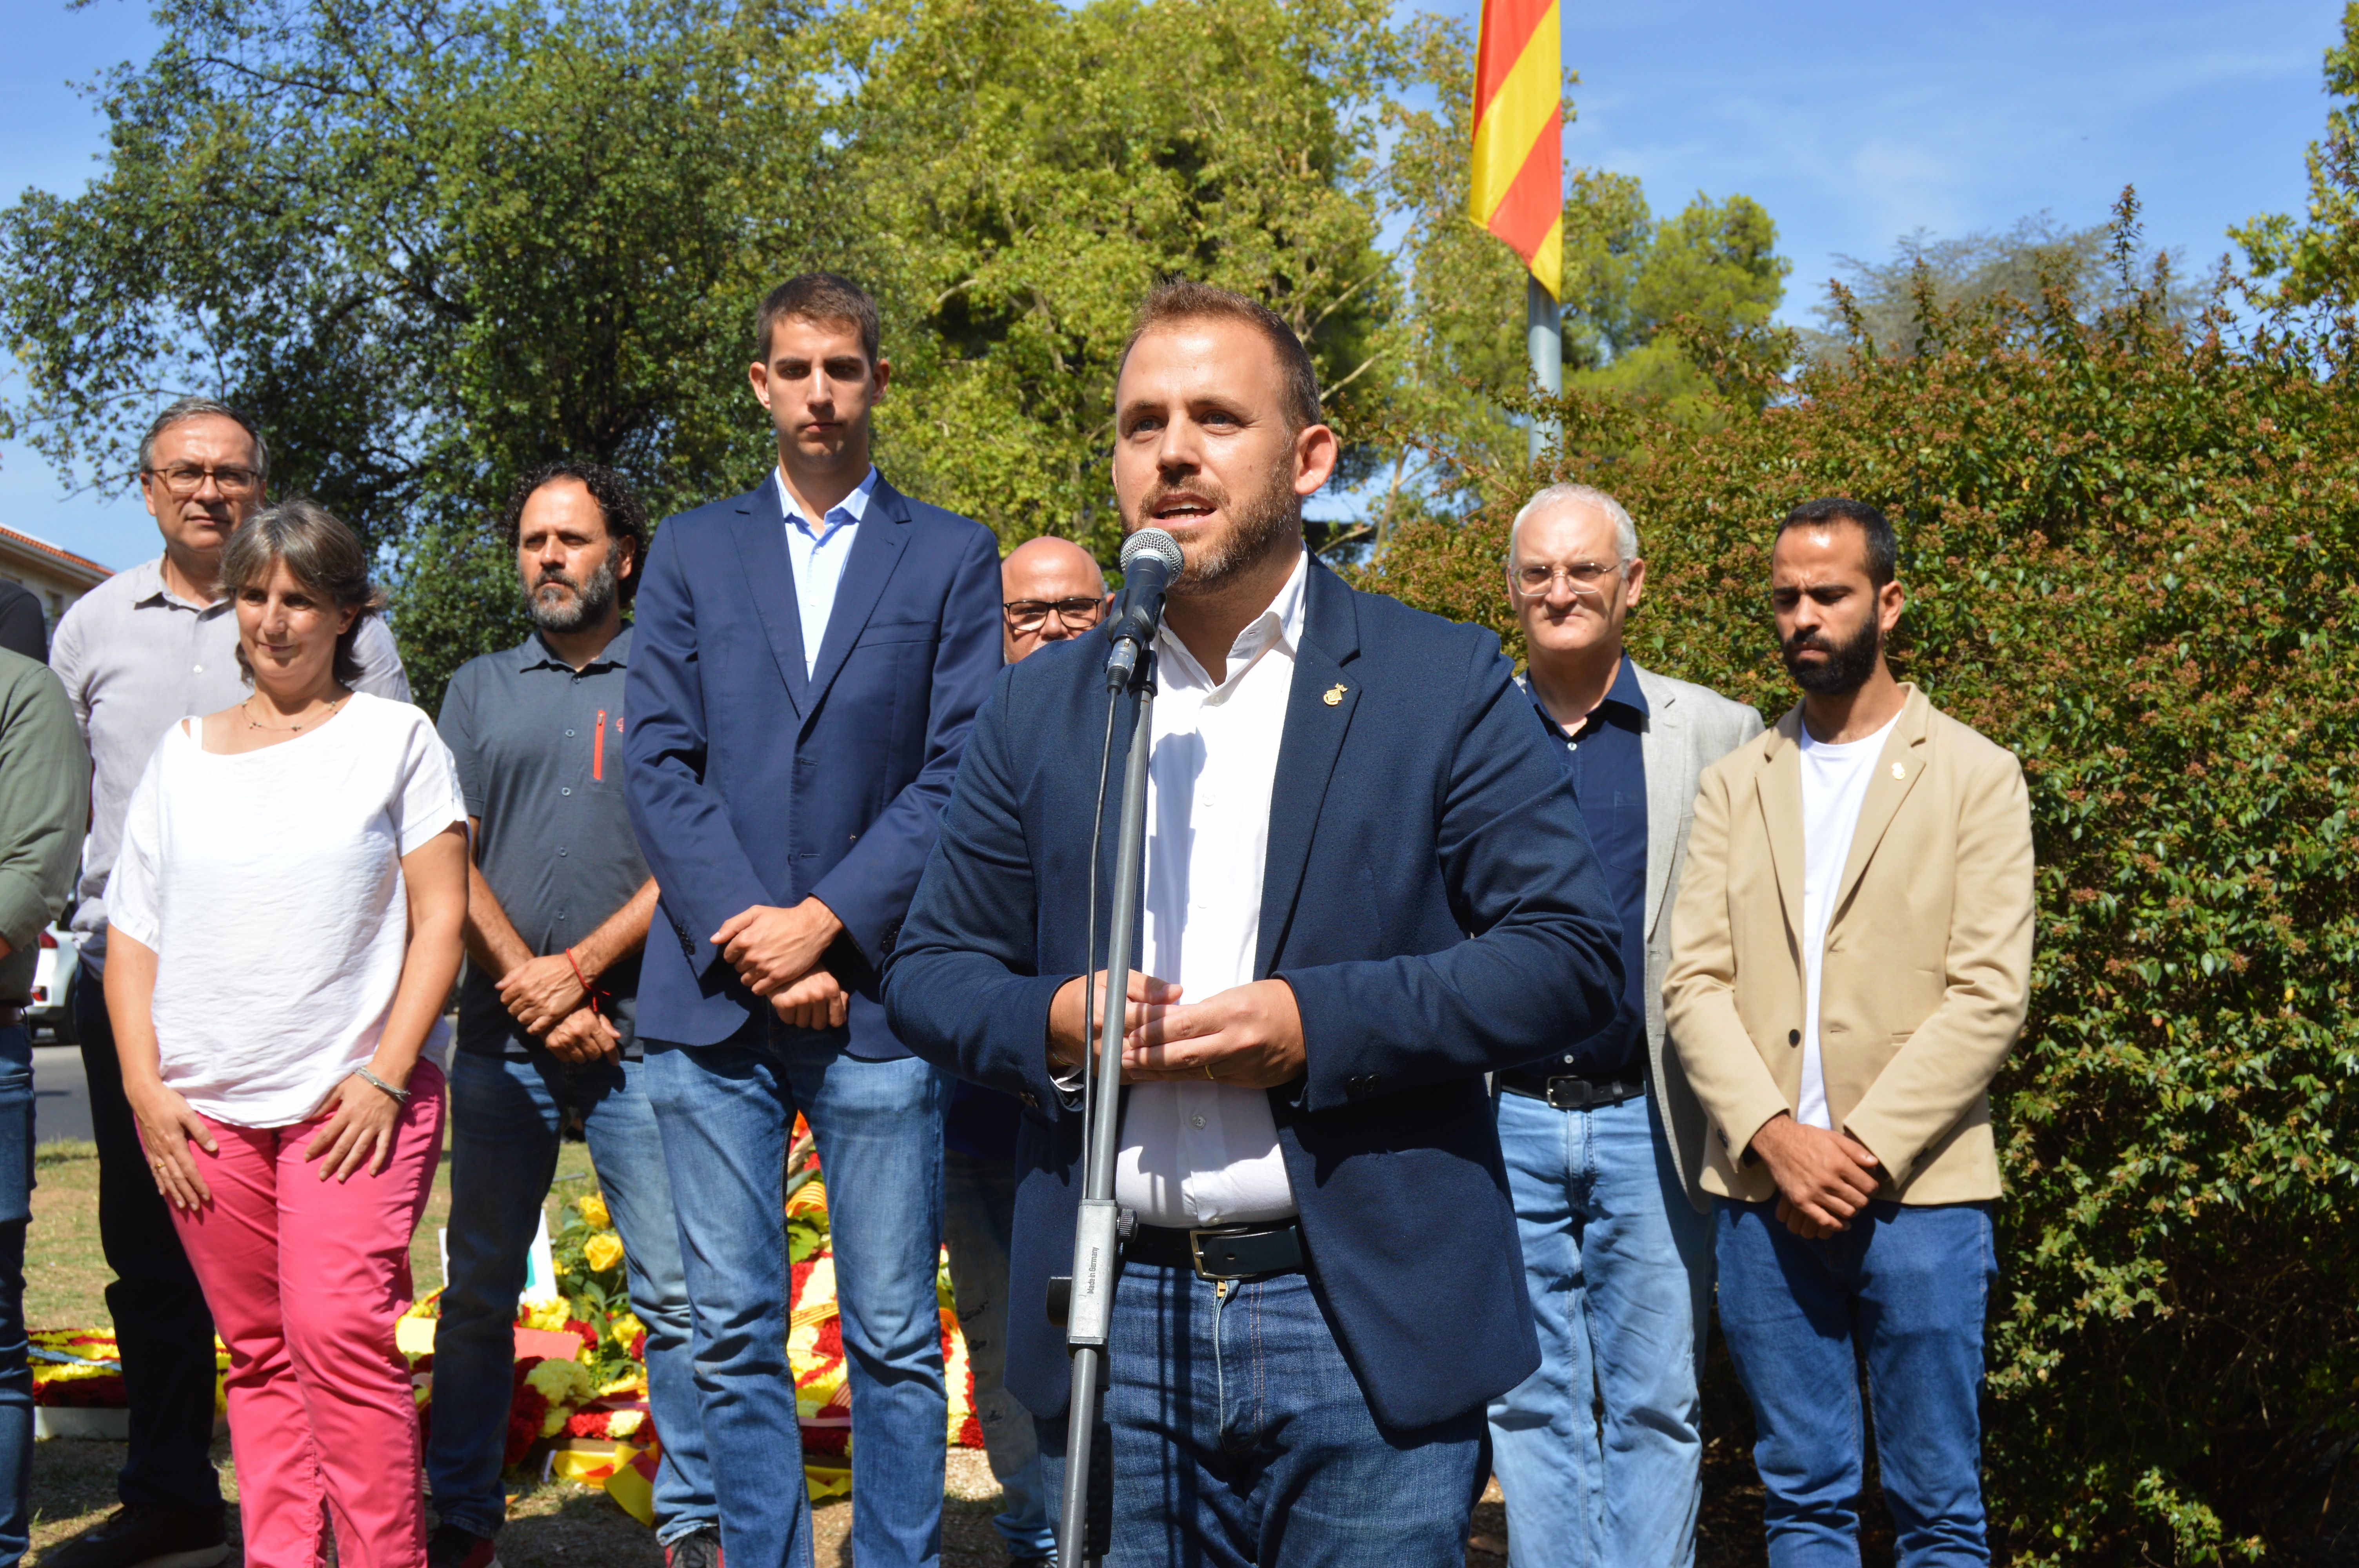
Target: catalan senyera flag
(1518, 186)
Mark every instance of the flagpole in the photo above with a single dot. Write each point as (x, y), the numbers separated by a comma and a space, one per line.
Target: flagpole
(1544, 340)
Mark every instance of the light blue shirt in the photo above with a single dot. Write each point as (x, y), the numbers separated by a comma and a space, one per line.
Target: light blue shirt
(818, 551)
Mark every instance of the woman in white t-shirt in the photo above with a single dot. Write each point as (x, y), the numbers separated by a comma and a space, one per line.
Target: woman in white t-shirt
(284, 927)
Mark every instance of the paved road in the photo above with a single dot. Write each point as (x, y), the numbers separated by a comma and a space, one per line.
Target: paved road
(60, 1097)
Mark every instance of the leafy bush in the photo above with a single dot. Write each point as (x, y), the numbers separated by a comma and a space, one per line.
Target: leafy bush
(2130, 552)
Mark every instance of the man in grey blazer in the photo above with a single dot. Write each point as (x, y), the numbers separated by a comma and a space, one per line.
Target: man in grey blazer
(1598, 1452)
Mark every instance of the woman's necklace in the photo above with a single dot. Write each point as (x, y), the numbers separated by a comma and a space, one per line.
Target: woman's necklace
(254, 724)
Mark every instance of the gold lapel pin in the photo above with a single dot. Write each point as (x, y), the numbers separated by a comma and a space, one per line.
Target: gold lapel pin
(1334, 695)
(1899, 772)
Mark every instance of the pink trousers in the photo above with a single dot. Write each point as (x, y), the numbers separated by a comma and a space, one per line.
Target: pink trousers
(305, 1279)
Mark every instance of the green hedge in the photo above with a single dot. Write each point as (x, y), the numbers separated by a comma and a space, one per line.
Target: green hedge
(2130, 556)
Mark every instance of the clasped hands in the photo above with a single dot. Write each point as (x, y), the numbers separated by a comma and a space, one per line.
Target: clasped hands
(777, 953)
(1249, 1036)
(1823, 1178)
(544, 997)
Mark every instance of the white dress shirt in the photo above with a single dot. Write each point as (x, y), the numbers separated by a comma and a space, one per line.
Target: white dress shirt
(1206, 1153)
(818, 549)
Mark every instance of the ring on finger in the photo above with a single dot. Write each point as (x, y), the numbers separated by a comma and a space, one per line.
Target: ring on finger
(1208, 1072)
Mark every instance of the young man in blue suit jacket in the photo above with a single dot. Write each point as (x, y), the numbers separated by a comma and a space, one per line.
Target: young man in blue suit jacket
(809, 661)
(1367, 884)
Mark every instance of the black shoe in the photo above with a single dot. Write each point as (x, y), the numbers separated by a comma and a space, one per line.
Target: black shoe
(450, 1546)
(142, 1535)
(697, 1549)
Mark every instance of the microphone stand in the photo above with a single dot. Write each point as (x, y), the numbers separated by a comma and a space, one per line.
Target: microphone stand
(1099, 1233)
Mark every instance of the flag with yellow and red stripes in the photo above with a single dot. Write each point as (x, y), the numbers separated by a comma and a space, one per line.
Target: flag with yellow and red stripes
(1518, 184)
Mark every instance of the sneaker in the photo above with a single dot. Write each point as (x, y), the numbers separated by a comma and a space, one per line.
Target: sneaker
(450, 1546)
(143, 1535)
(697, 1549)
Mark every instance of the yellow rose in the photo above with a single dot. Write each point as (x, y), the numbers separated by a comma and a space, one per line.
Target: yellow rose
(603, 1251)
(625, 1328)
(593, 1209)
(624, 1423)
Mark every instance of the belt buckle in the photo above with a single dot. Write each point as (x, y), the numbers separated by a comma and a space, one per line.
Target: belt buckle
(1573, 1087)
(1196, 1253)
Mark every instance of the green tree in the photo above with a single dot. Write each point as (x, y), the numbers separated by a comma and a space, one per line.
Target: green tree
(2130, 556)
(428, 244)
(2314, 260)
(1028, 170)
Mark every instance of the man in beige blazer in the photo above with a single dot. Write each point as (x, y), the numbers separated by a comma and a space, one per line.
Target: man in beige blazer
(1600, 1450)
(1850, 953)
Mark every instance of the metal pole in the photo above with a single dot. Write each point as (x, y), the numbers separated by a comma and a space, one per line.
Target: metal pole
(1544, 340)
(1096, 1241)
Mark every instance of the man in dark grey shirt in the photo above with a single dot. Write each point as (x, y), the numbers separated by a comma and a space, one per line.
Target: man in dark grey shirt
(557, 915)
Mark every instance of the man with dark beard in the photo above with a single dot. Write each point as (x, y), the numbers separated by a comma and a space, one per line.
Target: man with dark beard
(557, 904)
(1851, 963)
(1366, 885)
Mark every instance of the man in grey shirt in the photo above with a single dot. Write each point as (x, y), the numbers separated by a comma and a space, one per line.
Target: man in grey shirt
(557, 905)
(136, 654)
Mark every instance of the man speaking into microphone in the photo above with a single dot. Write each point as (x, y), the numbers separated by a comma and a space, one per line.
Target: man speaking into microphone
(1366, 885)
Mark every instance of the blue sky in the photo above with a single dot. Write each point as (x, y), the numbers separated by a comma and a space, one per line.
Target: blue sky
(1854, 123)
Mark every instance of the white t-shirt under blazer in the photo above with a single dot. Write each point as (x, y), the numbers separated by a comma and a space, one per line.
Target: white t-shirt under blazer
(1834, 786)
(268, 883)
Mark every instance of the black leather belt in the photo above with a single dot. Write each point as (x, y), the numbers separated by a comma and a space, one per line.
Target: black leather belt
(10, 1014)
(1568, 1094)
(1221, 1251)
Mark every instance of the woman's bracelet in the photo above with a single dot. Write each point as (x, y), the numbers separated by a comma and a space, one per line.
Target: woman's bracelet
(400, 1097)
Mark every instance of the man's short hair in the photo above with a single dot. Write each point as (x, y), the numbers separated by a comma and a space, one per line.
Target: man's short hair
(1184, 299)
(1626, 533)
(626, 518)
(817, 297)
(185, 408)
(1883, 547)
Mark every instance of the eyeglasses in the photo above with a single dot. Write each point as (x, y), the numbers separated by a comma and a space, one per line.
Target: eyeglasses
(1586, 577)
(1031, 614)
(187, 479)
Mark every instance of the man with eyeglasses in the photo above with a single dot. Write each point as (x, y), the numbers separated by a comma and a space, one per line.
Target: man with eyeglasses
(1051, 590)
(1599, 1452)
(137, 653)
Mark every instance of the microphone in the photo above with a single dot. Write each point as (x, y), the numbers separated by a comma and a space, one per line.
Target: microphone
(1150, 559)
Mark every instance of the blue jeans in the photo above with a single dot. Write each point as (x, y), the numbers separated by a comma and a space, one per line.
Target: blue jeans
(1906, 1287)
(1241, 1436)
(726, 1112)
(15, 1212)
(507, 1117)
(1598, 1452)
(978, 1219)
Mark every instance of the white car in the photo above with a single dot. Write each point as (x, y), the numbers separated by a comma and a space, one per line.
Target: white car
(50, 1013)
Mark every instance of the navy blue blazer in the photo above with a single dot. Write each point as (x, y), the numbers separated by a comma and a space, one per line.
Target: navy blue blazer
(751, 783)
(1430, 895)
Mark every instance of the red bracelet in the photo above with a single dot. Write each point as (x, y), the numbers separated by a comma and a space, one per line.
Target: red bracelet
(585, 981)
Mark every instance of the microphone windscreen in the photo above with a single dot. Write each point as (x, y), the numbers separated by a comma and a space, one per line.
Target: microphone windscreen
(1154, 543)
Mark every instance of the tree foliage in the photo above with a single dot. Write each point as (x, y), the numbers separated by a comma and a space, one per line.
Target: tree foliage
(2314, 260)
(1023, 172)
(434, 242)
(430, 245)
(2131, 557)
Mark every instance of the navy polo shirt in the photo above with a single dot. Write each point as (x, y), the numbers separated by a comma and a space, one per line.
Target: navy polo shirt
(1605, 760)
(539, 747)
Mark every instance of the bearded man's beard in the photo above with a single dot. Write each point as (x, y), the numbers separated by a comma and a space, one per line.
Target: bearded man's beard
(1264, 524)
(589, 603)
(1847, 666)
